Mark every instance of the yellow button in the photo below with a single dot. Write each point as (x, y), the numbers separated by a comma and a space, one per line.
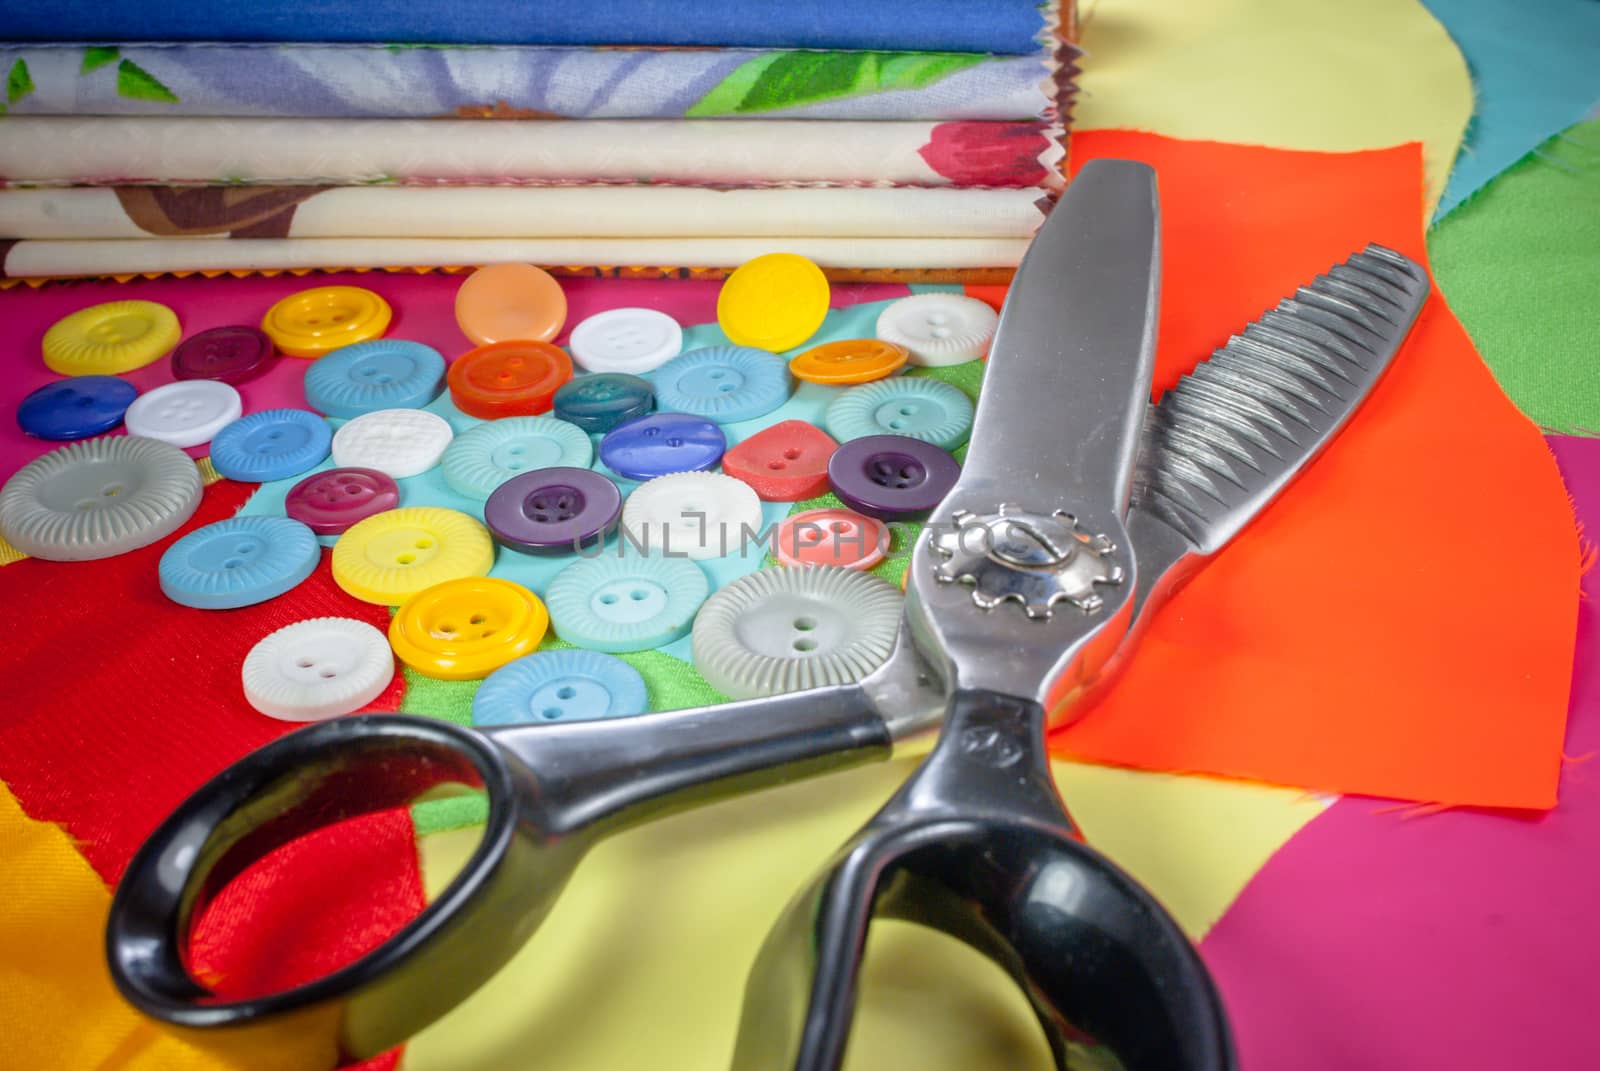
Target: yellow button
(109, 339)
(466, 629)
(390, 556)
(774, 302)
(313, 322)
(853, 360)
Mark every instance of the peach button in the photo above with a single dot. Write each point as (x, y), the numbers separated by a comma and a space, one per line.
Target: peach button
(502, 302)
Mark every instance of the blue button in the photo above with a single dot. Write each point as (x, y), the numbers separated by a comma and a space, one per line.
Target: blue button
(662, 443)
(238, 562)
(723, 383)
(632, 603)
(912, 406)
(387, 373)
(560, 686)
(486, 456)
(75, 408)
(597, 403)
(273, 444)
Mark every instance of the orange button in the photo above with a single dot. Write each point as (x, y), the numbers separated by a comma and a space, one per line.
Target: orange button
(501, 302)
(853, 360)
(503, 379)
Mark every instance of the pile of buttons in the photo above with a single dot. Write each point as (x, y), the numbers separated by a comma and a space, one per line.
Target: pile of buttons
(635, 469)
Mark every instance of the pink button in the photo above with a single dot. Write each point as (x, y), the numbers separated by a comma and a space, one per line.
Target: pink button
(831, 537)
(329, 502)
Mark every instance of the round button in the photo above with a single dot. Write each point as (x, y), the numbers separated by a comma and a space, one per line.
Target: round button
(783, 630)
(508, 379)
(273, 444)
(109, 339)
(98, 498)
(317, 669)
(399, 442)
(831, 537)
(599, 402)
(939, 329)
(330, 502)
(510, 301)
(698, 514)
(186, 413)
(238, 562)
(891, 476)
(919, 408)
(553, 510)
(486, 456)
(774, 302)
(228, 354)
(853, 360)
(367, 376)
(465, 629)
(626, 603)
(389, 556)
(313, 322)
(626, 340)
(784, 463)
(75, 408)
(560, 686)
(723, 383)
(660, 443)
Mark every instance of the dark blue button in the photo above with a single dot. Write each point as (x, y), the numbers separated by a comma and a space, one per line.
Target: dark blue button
(75, 408)
(662, 443)
(597, 403)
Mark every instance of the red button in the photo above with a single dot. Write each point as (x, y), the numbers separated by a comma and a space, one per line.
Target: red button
(784, 463)
(518, 378)
(831, 537)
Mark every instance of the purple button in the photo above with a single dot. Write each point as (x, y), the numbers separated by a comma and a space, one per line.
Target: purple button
(229, 354)
(553, 511)
(891, 476)
(660, 444)
(329, 502)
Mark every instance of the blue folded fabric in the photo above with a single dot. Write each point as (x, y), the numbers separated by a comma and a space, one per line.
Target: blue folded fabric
(1003, 26)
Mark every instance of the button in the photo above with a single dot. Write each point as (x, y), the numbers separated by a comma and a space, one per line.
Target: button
(891, 476)
(229, 354)
(784, 630)
(660, 443)
(508, 379)
(313, 322)
(399, 442)
(626, 340)
(939, 329)
(831, 537)
(853, 360)
(98, 498)
(465, 629)
(186, 413)
(384, 374)
(108, 339)
(317, 669)
(510, 301)
(774, 302)
(919, 408)
(560, 686)
(330, 502)
(75, 408)
(238, 562)
(699, 514)
(633, 602)
(722, 383)
(273, 444)
(553, 510)
(784, 463)
(486, 456)
(597, 403)
(388, 556)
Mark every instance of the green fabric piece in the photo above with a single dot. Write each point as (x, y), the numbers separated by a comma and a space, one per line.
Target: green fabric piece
(19, 83)
(96, 57)
(1519, 264)
(791, 79)
(136, 83)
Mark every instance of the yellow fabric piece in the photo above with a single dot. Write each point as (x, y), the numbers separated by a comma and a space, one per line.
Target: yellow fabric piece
(1291, 74)
(643, 962)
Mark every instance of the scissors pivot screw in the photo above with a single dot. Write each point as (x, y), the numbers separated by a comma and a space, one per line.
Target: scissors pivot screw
(1016, 555)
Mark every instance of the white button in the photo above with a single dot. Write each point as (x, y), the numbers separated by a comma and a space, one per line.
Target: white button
(186, 413)
(626, 340)
(317, 669)
(397, 442)
(939, 329)
(694, 514)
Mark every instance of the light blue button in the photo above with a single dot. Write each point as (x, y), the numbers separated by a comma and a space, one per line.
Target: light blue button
(560, 686)
(722, 383)
(486, 456)
(625, 602)
(386, 373)
(273, 444)
(917, 408)
(238, 562)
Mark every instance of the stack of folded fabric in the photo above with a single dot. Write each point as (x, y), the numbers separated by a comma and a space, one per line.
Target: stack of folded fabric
(866, 134)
